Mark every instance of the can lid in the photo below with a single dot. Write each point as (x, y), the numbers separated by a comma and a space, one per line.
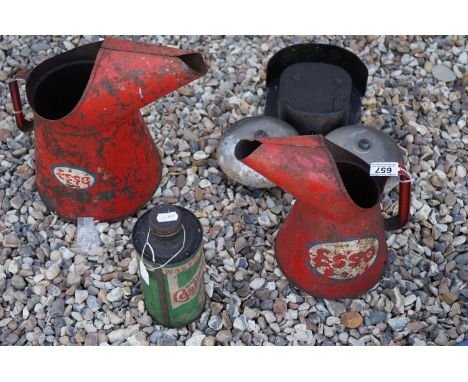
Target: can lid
(165, 220)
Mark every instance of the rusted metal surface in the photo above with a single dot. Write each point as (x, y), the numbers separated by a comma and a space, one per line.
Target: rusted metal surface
(332, 243)
(94, 153)
(251, 127)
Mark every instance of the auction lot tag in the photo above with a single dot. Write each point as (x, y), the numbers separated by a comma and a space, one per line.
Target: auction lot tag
(167, 217)
(143, 272)
(384, 169)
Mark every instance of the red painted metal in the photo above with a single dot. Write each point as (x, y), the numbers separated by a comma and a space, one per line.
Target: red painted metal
(332, 244)
(99, 159)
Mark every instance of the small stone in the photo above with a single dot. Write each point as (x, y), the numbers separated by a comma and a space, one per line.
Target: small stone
(463, 58)
(200, 155)
(138, 339)
(209, 341)
(17, 202)
(52, 272)
(264, 220)
(80, 296)
(335, 308)
(66, 253)
(224, 336)
(463, 275)
(73, 278)
(418, 342)
(57, 308)
(215, 323)
(11, 241)
(55, 256)
(115, 294)
(280, 306)
(269, 316)
(423, 213)
(116, 335)
(18, 282)
(196, 339)
(441, 338)
(91, 339)
(444, 74)
(449, 297)
(462, 259)
(398, 323)
(30, 184)
(204, 183)
(415, 327)
(459, 240)
(450, 199)
(240, 244)
(257, 283)
(39, 47)
(186, 91)
(240, 323)
(4, 134)
(408, 116)
(408, 300)
(351, 320)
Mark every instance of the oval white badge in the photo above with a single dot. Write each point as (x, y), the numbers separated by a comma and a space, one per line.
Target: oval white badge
(73, 177)
(344, 260)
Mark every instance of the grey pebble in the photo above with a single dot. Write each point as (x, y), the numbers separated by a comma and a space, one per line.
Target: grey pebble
(442, 73)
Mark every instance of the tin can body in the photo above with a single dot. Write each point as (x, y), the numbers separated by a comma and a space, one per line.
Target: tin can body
(170, 242)
(175, 295)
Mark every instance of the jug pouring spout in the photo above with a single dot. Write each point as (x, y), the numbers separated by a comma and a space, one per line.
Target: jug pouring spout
(301, 166)
(128, 75)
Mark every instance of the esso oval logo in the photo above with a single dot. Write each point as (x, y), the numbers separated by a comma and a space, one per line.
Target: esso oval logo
(344, 260)
(74, 177)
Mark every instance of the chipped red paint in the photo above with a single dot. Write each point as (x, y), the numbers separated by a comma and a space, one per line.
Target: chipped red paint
(105, 134)
(324, 212)
(345, 259)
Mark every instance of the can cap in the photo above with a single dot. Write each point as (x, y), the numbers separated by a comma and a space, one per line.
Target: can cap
(165, 220)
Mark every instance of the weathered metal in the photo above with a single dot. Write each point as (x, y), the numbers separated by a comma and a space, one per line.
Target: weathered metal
(94, 153)
(315, 87)
(251, 127)
(170, 239)
(332, 243)
(369, 144)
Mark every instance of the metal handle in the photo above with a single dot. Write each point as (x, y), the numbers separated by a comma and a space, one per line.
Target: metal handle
(400, 220)
(22, 123)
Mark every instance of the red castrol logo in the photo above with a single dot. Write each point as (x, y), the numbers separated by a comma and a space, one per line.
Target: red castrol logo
(74, 177)
(345, 259)
(188, 291)
(181, 294)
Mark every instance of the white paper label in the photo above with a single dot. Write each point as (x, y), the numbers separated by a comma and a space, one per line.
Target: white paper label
(384, 169)
(167, 217)
(143, 272)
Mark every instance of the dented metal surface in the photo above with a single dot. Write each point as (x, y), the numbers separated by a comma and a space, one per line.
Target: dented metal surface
(332, 244)
(86, 118)
(250, 127)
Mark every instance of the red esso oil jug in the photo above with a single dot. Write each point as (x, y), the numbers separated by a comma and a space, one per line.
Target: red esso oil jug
(94, 155)
(332, 244)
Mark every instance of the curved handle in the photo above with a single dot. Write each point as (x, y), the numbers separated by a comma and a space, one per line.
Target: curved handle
(404, 201)
(22, 123)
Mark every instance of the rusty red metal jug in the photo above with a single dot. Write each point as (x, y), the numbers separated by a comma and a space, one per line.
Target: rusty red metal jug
(332, 244)
(94, 154)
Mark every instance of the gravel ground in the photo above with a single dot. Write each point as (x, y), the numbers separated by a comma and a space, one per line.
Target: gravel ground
(50, 294)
